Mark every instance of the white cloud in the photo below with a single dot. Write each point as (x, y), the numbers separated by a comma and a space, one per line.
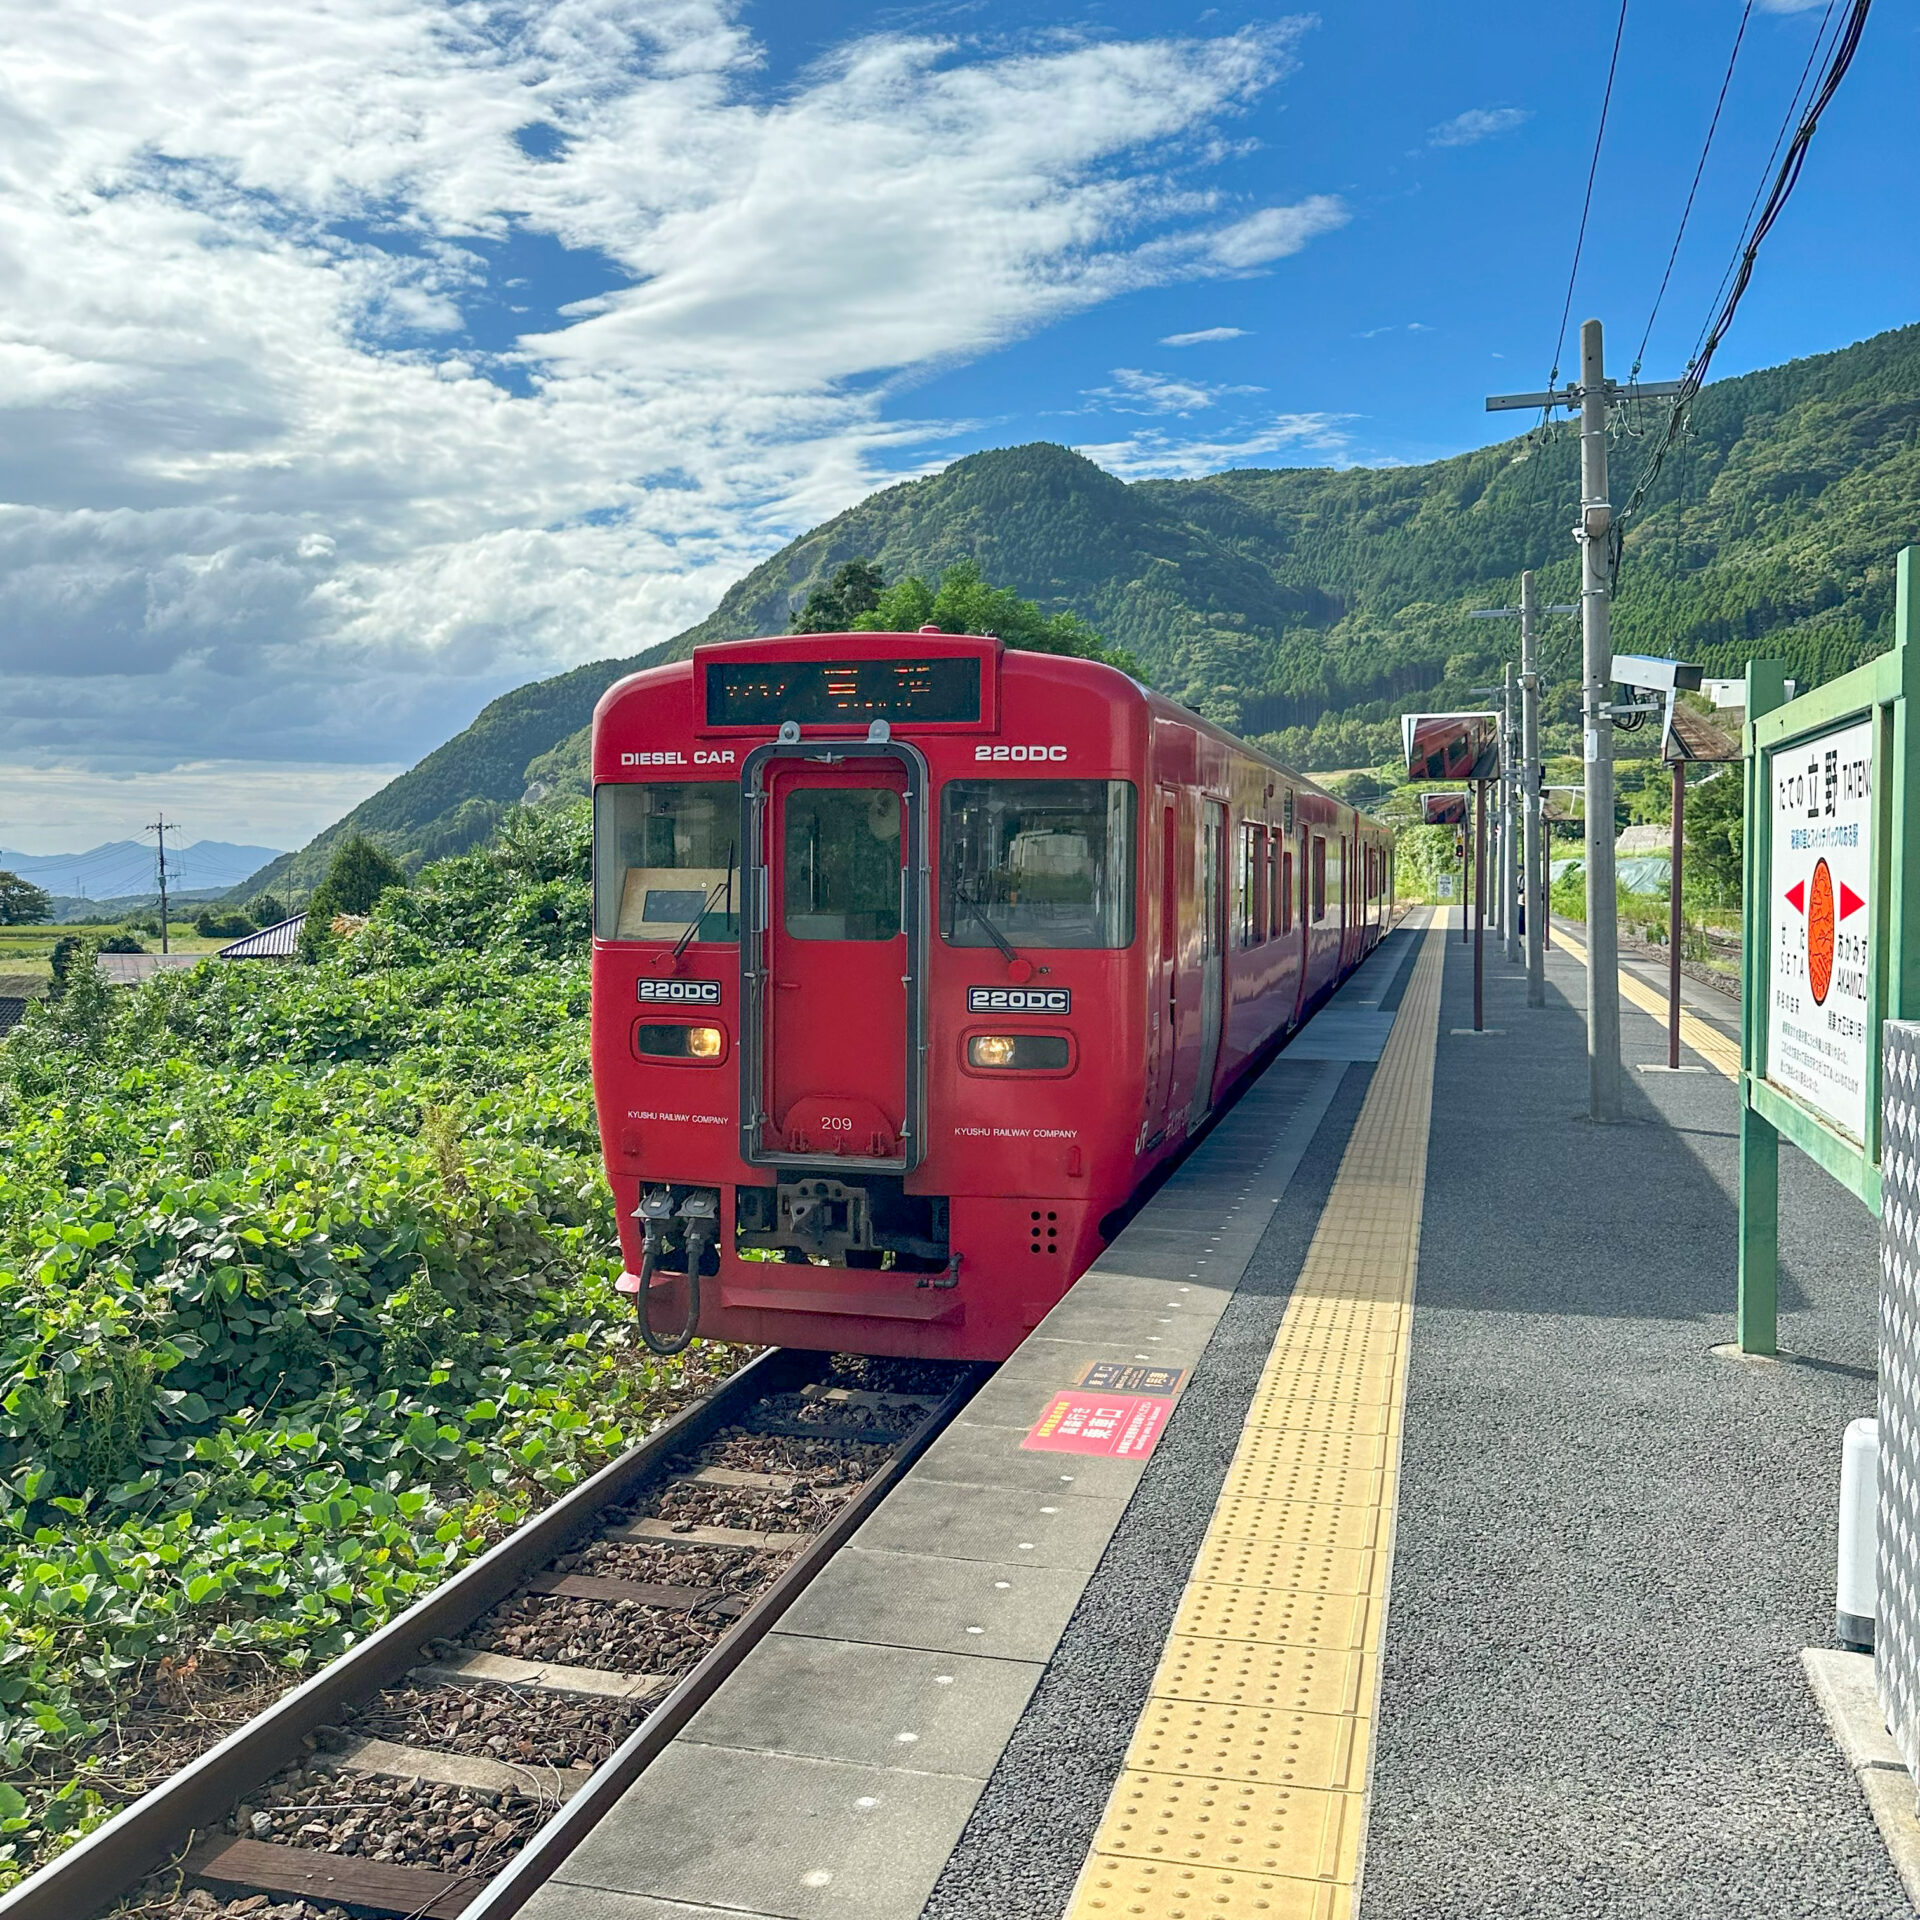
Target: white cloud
(1203, 336)
(1788, 6)
(333, 406)
(1394, 326)
(1275, 232)
(1136, 391)
(1478, 123)
(1151, 453)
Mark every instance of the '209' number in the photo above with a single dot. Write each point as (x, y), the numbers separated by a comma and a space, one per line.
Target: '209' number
(1019, 753)
(835, 1123)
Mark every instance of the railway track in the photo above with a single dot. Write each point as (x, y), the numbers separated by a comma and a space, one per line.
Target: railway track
(444, 1768)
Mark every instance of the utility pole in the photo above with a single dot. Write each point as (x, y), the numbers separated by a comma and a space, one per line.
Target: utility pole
(1592, 394)
(1536, 892)
(1529, 774)
(1596, 649)
(159, 826)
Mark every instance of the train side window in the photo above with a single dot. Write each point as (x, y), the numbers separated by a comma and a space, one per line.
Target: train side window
(1040, 863)
(664, 857)
(1318, 869)
(1252, 883)
(1169, 884)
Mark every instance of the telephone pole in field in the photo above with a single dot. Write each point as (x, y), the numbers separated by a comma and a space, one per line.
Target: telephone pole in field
(1591, 394)
(159, 826)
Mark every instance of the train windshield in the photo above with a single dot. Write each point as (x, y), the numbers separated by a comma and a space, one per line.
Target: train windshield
(1037, 863)
(665, 859)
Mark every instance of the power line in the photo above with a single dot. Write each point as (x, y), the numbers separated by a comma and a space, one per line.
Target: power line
(1686, 212)
(1841, 58)
(1586, 206)
(1787, 119)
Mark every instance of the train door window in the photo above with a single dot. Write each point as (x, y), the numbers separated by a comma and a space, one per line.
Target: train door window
(1259, 863)
(1276, 886)
(664, 860)
(1037, 863)
(1286, 890)
(1318, 870)
(842, 863)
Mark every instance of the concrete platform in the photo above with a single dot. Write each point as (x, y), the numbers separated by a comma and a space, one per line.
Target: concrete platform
(836, 1771)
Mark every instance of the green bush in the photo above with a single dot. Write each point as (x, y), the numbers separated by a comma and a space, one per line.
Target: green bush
(306, 1293)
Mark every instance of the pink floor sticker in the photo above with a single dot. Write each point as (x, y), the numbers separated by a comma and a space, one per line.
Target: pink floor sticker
(1123, 1426)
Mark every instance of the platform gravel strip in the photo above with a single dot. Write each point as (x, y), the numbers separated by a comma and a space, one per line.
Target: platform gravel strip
(1614, 1542)
(1244, 1787)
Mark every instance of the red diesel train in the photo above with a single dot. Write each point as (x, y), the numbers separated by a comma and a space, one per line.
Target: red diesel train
(914, 956)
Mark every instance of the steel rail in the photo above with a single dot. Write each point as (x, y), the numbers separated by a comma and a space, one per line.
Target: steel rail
(542, 1856)
(115, 1857)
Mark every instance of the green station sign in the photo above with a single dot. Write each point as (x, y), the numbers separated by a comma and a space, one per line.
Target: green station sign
(1832, 931)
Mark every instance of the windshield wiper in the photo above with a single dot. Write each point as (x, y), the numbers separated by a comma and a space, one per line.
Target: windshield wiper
(707, 903)
(994, 934)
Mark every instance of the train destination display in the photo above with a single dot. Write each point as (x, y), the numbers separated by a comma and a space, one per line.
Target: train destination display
(1820, 884)
(844, 692)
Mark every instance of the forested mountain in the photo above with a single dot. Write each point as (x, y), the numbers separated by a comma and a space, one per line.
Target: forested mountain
(1310, 603)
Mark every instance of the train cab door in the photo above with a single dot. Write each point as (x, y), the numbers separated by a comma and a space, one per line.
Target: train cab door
(1210, 901)
(836, 973)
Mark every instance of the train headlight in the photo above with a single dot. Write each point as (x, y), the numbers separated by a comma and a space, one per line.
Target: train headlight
(1031, 1052)
(669, 1040)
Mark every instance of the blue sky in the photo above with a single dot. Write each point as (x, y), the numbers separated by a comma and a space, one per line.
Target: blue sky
(363, 364)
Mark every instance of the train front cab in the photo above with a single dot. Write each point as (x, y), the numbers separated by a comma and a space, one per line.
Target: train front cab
(886, 983)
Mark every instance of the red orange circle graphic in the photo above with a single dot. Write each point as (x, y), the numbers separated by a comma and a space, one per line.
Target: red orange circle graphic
(1820, 933)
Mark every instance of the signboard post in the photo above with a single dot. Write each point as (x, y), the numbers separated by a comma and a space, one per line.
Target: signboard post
(1832, 815)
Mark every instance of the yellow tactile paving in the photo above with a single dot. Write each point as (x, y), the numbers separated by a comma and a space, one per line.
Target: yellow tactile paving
(1270, 1673)
(1281, 1745)
(1706, 1040)
(1244, 1790)
(1116, 1886)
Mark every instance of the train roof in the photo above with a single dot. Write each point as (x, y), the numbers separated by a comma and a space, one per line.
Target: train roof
(872, 645)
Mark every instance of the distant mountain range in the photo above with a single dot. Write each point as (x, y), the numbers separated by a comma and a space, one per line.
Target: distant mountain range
(119, 868)
(1308, 606)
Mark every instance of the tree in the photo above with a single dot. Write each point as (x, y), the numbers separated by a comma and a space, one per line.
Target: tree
(964, 603)
(357, 876)
(854, 589)
(266, 909)
(1715, 828)
(223, 923)
(22, 904)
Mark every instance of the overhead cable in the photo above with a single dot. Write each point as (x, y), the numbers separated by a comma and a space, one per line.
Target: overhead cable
(1784, 182)
(1673, 253)
(1586, 206)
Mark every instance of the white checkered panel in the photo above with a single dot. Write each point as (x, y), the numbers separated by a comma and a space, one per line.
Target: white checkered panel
(1896, 1657)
